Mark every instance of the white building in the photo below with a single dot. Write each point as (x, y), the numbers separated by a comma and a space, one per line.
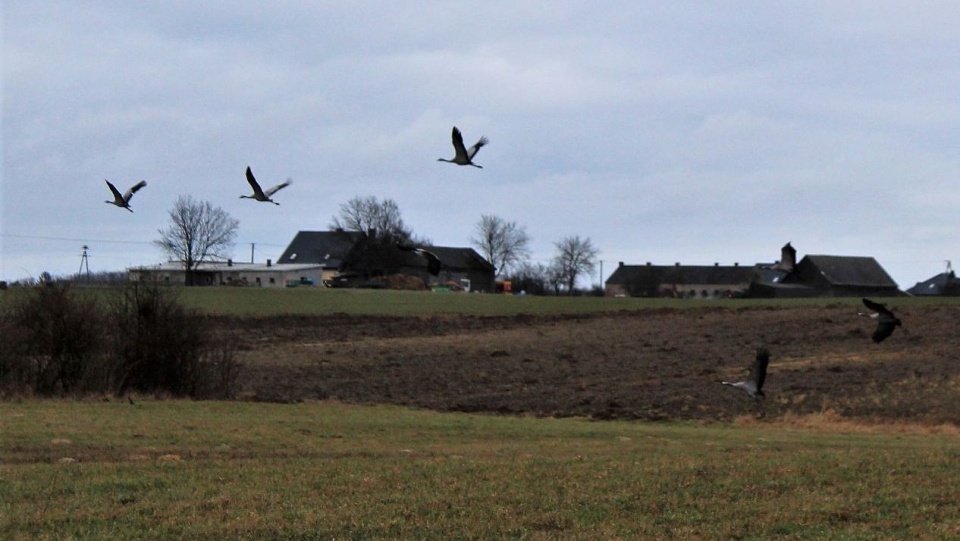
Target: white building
(234, 274)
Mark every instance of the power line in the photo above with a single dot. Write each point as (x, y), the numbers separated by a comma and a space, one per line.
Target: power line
(10, 235)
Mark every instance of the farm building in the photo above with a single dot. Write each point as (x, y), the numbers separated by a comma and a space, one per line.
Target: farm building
(340, 258)
(682, 281)
(461, 266)
(328, 249)
(351, 258)
(813, 276)
(943, 284)
(230, 273)
(842, 276)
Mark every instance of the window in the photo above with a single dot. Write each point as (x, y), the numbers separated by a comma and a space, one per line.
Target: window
(272, 281)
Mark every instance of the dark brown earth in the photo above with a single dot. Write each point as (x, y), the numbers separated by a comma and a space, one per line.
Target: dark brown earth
(649, 364)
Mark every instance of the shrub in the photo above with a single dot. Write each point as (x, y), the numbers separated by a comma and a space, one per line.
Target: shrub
(162, 346)
(143, 339)
(217, 372)
(57, 335)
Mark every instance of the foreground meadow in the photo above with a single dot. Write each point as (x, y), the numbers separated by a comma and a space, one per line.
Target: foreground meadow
(325, 470)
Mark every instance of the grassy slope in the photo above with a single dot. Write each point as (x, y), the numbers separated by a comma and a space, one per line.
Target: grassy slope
(213, 470)
(316, 300)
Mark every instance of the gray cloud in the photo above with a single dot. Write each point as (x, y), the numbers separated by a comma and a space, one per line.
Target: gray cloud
(663, 131)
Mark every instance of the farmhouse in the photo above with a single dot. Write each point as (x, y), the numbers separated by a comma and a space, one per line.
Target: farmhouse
(943, 284)
(843, 276)
(351, 258)
(328, 249)
(461, 266)
(681, 281)
(813, 276)
(341, 258)
(230, 273)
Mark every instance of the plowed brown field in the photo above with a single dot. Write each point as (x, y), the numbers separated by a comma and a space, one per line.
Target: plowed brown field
(649, 364)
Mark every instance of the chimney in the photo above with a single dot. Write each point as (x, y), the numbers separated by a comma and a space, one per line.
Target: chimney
(715, 264)
(229, 262)
(735, 264)
(677, 264)
(648, 263)
(269, 263)
(621, 263)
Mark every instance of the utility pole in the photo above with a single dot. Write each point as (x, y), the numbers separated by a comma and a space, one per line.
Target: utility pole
(252, 245)
(84, 262)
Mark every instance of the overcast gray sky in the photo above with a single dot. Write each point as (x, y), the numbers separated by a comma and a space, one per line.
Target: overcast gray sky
(664, 131)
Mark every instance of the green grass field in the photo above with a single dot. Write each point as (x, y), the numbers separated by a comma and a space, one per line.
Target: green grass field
(212, 470)
(318, 300)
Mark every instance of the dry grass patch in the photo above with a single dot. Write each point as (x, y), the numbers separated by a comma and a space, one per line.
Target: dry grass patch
(830, 421)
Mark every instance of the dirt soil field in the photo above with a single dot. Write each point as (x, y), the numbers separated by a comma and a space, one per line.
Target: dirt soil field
(648, 364)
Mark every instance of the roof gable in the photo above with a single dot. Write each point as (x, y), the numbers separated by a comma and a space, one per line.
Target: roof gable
(328, 248)
(682, 274)
(460, 258)
(935, 285)
(849, 270)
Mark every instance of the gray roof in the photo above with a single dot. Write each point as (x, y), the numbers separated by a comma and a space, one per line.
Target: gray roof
(327, 248)
(224, 266)
(460, 258)
(850, 270)
(935, 285)
(682, 274)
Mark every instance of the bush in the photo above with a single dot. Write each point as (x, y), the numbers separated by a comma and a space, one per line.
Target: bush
(161, 346)
(16, 372)
(217, 372)
(57, 336)
(144, 340)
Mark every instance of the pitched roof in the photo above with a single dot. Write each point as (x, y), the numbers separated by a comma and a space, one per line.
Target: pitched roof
(460, 258)
(328, 248)
(224, 266)
(850, 270)
(682, 274)
(935, 285)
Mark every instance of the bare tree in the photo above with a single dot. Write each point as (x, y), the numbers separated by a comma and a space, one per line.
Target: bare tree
(503, 243)
(532, 278)
(575, 256)
(367, 214)
(198, 232)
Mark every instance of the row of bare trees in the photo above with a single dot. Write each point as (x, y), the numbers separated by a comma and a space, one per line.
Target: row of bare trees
(199, 232)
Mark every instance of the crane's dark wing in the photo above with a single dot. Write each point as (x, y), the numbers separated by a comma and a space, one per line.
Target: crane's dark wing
(876, 307)
(461, 151)
(134, 189)
(116, 193)
(884, 329)
(758, 372)
(253, 183)
(433, 262)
